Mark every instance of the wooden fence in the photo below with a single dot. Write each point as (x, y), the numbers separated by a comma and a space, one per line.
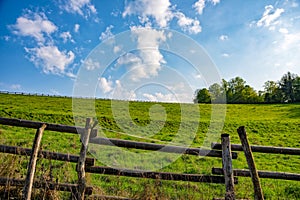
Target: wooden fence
(86, 164)
(253, 172)
(225, 175)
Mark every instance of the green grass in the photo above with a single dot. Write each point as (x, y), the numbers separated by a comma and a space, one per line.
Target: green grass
(269, 125)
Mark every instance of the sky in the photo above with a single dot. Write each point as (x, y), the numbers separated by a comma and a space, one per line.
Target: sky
(59, 47)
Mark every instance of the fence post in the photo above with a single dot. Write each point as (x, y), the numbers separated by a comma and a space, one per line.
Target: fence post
(81, 161)
(32, 164)
(258, 195)
(227, 167)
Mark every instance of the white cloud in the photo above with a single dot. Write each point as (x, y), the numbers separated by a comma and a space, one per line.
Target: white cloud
(148, 60)
(91, 65)
(76, 28)
(117, 49)
(15, 86)
(107, 33)
(199, 6)
(270, 16)
(283, 30)
(54, 92)
(35, 25)
(189, 25)
(291, 41)
(159, 97)
(51, 59)
(223, 37)
(79, 6)
(105, 85)
(215, 2)
(123, 93)
(160, 11)
(66, 36)
(226, 55)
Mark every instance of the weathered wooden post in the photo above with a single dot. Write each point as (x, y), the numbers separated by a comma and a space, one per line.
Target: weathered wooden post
(227, 167)
(32, 164)
(85, 137)
(258, 195)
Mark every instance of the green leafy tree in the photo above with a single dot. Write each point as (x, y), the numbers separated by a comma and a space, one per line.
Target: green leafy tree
(296, 85)
(272, 92)
(287, 86)
(235, 88)
(218, 94)
(202, 96)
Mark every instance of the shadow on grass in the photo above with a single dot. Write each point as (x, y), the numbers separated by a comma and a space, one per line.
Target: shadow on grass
(294, 111)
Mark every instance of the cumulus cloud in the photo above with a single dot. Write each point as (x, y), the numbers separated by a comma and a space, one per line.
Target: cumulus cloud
(215, 2)
(189, 25)
(160, 97)
(270, 16)
(147, 61)
(91, 65)
(160, 11)
(66, 36)
(51, 59)
(107, 33)
(34, 25)
(122, 92)
(106, 85)
(199, 6)
(79, 6)
(117, 49)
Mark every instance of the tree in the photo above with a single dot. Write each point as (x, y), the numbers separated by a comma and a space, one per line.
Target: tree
(217, 93)
(296, 85)
(272, 92)
(235, 88)
(288, 87)
(202, 96)
(249, 95)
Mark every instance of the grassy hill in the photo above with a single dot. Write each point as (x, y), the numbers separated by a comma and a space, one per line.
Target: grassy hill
(269, 125)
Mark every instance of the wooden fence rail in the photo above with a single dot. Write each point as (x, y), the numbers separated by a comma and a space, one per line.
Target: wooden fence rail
(159, 147)
(157, 175)
(48, 185)
(261, 174)
(44, 154)
(260, 149)
(114, 142)
(89, 162)
(50, 126)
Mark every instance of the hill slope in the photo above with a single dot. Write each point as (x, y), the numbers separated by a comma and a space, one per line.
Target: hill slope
(270, 125)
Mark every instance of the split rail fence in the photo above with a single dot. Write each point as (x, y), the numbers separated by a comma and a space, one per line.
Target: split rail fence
(85, 164)
(253, 172)
(225, 175)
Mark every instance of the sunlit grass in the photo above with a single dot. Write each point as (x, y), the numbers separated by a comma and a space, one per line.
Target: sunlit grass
(269, 125)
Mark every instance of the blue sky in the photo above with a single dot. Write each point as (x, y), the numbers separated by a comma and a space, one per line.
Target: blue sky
(44, 44)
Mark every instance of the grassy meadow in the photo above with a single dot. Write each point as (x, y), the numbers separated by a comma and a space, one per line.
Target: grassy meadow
(266, 124)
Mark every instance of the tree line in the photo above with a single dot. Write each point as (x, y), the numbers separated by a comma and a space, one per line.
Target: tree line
(286, 90)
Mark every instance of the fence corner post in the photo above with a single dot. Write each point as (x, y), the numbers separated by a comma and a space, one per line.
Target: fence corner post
(81, 161)
(258, 195)
(227, 167)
